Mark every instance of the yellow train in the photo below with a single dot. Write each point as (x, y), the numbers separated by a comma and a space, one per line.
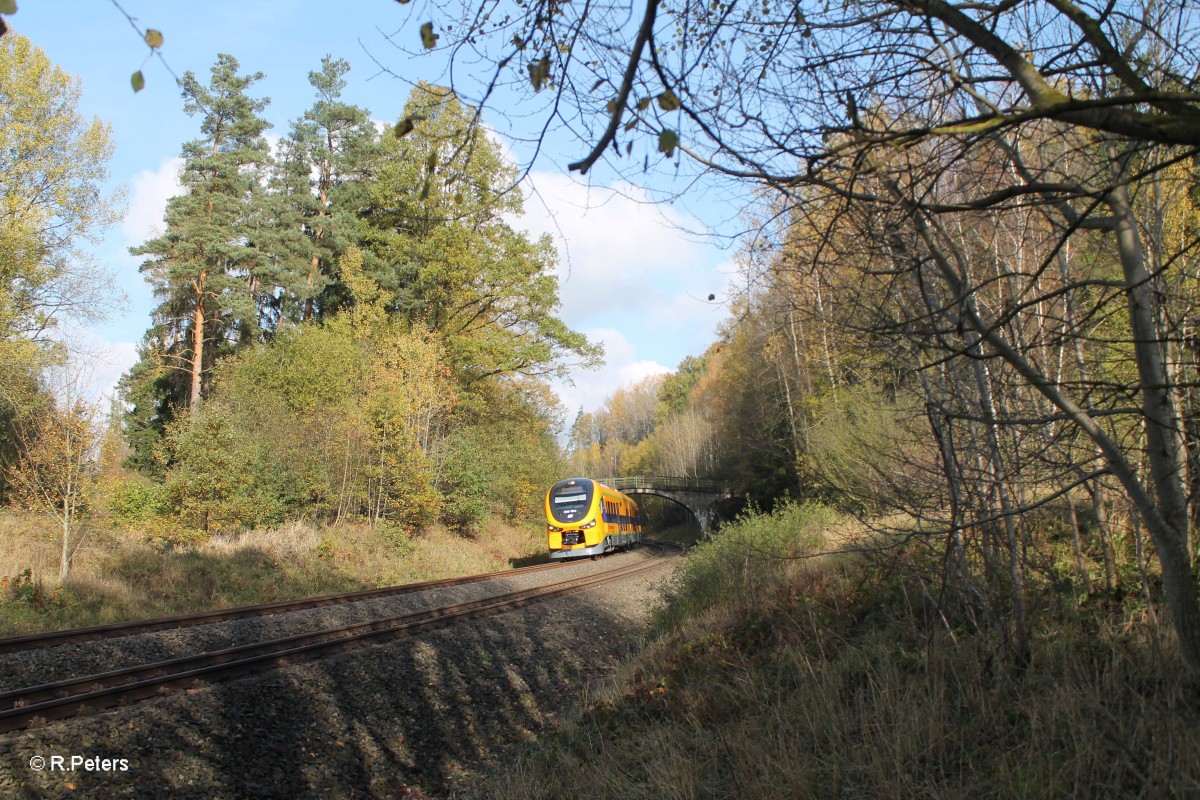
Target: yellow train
(586, 518)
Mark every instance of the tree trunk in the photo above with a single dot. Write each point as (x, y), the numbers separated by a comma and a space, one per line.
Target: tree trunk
(1163, 442)
(1100, 510)
(1016, 568)
(64, 564)
(1077, 543)
(198, 323)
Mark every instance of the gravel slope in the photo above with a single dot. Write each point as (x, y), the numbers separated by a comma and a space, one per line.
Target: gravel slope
(405, 719)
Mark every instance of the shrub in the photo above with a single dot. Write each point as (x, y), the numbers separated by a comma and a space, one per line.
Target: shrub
(133, 502)
(397, 537)
(215, 485)
(862, 450)
(739, 563)
(26, 590)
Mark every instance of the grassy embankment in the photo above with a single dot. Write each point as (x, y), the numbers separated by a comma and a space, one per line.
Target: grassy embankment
(119, 576)
(826, 677)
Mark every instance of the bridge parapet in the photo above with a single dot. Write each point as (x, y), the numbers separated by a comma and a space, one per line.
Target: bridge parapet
(667, 483)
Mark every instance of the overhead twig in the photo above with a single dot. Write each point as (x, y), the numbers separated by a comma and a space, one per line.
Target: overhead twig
(635, 56)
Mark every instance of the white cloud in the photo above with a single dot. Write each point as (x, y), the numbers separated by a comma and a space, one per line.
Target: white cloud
(622, 367)
(113, 360)
(151, 190)
(690, 309)
(631, 264)
(94, 363)
(616, 248)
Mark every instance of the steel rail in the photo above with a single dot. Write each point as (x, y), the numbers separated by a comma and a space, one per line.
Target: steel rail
(36, 705)
(117, 629)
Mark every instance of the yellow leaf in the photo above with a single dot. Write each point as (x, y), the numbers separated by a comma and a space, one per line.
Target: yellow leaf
(138, 81)
(428, 37)
(667, 101)
(8, 6)
(539, 73)
(154, 38)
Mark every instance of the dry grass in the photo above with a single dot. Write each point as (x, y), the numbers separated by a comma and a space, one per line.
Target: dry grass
(27, 541)
(290, 540)
(118, 576)
(825, 682)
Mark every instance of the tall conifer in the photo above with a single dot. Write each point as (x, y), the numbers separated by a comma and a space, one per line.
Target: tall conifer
(207, 268)
(327, 151)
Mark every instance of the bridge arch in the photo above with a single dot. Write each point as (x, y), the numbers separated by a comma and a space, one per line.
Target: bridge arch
(698, 496)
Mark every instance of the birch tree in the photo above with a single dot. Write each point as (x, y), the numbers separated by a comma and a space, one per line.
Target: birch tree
(53, 203)
(59, 450)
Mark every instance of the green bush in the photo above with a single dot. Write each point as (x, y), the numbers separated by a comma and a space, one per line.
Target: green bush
(859, 444)
(217, 483)
(468, 475)
(397, 537)
(134, 502)
(735, 566)
(325, 549)
(464, 512)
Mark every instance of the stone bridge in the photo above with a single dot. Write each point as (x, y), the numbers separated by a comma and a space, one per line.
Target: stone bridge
(698, 496)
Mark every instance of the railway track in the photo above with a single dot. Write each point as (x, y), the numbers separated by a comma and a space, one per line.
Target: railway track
(35, 705)
(116, 629)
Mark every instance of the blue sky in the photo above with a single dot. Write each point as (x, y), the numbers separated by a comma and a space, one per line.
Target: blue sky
(631, 276)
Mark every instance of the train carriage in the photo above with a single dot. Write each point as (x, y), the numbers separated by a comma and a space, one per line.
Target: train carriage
(586, 518)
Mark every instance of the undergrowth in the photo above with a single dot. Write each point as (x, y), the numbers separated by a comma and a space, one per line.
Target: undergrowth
(823, 677)
(732, 569)
(117, 576)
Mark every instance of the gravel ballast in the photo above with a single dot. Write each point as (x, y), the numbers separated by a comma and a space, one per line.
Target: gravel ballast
(404, 719)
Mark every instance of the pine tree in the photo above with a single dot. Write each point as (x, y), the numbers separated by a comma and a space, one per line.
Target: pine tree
(328, 150)
(438, 212)
(208, 268)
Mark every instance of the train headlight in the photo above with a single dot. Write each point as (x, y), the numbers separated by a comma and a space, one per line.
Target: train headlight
(553, 529)
(585, 526)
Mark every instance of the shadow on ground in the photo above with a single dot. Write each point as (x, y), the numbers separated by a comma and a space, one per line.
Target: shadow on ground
(529, 561)
(404, 719)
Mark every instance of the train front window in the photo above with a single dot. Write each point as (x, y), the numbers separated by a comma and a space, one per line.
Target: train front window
(569, 500)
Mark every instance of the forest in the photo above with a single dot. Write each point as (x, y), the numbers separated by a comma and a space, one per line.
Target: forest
(348, 327)
(957, 387)
(967, 313)
(970, 288)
